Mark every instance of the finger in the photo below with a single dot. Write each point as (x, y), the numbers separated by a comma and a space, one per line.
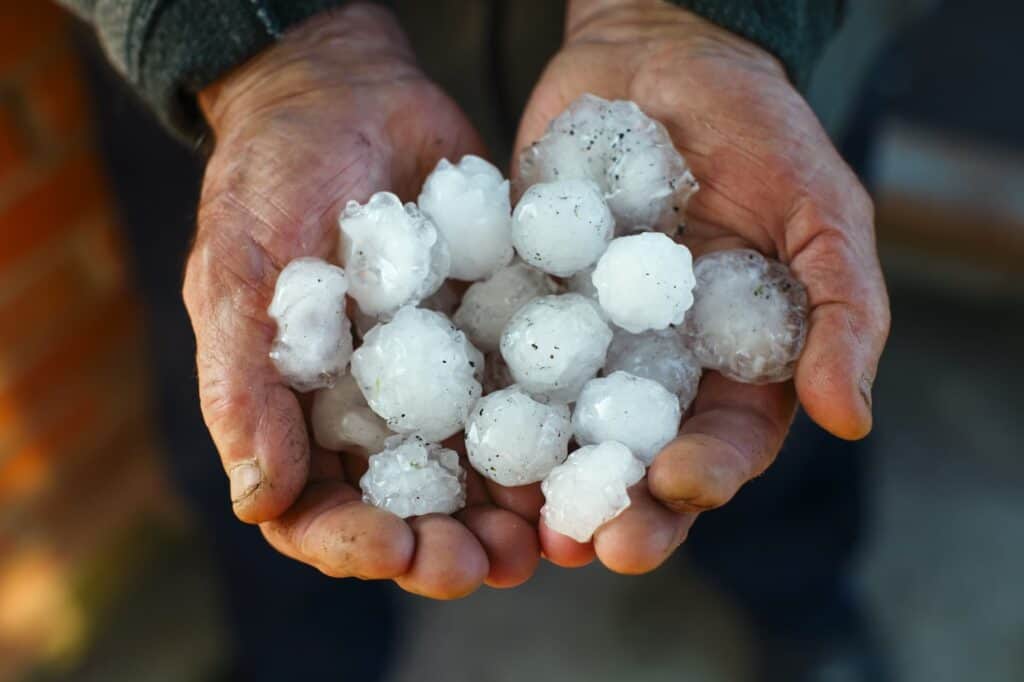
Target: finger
(510, 543)
(643, 536)
(734, 434)
(523, 500)
(449, 562)
(562, 550)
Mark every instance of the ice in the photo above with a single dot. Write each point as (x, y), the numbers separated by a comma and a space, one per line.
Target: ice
(645, 281)
(589, 489)
(469, 203)
(513, 439)
(488, 306)
(342, 421)
(314, 337)
(660, 356)
(749, 320)
(554, 345)
(562, 227)
(412, 477)
(393, 254)
(639, 413)
(418, 373)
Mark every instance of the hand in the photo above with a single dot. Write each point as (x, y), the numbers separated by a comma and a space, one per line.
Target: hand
(334, 111)
(770, 179)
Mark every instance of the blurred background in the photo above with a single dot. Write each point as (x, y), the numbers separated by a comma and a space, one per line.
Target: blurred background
(119, 557)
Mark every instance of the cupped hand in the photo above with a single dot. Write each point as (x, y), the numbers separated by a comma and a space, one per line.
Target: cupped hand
(334, 111)
(770, 179)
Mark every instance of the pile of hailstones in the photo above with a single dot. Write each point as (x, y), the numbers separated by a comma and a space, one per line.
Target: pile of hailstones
(584, 322)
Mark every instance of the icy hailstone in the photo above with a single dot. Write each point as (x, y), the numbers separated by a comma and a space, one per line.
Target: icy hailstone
(645, 281)
(554, 345)
(314, 337)
(639, 413)
(749, 321)
(342, 421)
(589, 489)
(487, 306)
(418, 373)
(513, 440)
(660, 356)
(469, 203)
(393, 254)
(412, 477)
(562, 227)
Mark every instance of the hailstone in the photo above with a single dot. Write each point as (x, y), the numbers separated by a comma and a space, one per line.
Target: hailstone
(314, 337)
(562, 227)
(660, 356)
(488, 306)
(554, 345)
(469, 204)
(394, 255)
(411, 477)
(513, 439)
(418, 372)
(749, 320)
(589, 489)
(341, 419)
(645, 281)
(639, 413)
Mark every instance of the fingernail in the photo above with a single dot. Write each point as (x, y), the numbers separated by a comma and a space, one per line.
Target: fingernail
(865, 389)
(245, 478)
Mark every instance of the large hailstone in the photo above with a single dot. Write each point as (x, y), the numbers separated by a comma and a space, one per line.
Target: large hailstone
(562, 227)
(314, 337)
(412, 477)
(469, 204)
(660, 356)
(513, 439)
(342, 420)
(418, 372)
(589, 489)
(488, 306)
(749, 320)
(393, 254)
(645, 281)
(639, 413)
(554, 345)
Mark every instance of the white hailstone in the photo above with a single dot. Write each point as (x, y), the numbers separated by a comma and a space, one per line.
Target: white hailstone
(412, 477)
(562, 227)
(314, 337)
(342, 420)
(418, 373)
(639, 413)
(660, 356)
(749, 320)
(496, 373)
(488, 306)
(469, 203)
(645, 281)
(513, 439)
(554, 345)
(589, 489)
(394, 255)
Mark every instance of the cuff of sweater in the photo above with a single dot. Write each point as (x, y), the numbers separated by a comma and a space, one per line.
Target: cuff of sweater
(795, 31)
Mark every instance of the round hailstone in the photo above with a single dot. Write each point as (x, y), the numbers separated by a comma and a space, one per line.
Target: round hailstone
(393, 254)
(418, 373)
(589, 489)
(749, 321)
(639, 413)
(314, 337)
(469, 203)
(554, 345)
(488, 306)
(342, 421)
(513, 440)
(562, 227)
(660, 356)
(645, 281)
(412, 477)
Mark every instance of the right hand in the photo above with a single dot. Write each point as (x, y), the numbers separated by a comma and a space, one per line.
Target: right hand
(335, 110)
